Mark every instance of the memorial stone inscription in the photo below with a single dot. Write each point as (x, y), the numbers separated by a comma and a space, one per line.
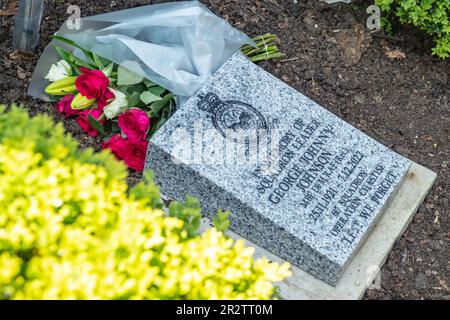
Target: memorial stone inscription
(315, 197)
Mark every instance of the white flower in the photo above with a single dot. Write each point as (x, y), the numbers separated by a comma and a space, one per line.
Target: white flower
(58, 71)
(117, 106)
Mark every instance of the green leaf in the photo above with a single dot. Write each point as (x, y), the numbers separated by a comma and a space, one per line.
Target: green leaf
(96, 125)
(147, 191)
(81, 63)
(76, 69)
(149, 83)
(134, 100)
(126, 77)
(97, 61)
(104, 61)
(74, 61)
(140, 87)
(148, 97)
(161, 122)
(62, 53)
(87, 53)
(221, 221)
(189, 212)
(108, 70)
(157, 90)
(115, 127)
(171, 108)
(157, 106)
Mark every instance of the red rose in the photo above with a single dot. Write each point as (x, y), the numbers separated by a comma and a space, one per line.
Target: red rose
(131, 152)
(64, 107)
(135, 124)
(92, 84)
(117, 145)
(104, 101)
(135, 154)
(83, 121)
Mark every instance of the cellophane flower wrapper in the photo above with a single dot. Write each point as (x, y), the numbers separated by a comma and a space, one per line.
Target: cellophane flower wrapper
(176, 45)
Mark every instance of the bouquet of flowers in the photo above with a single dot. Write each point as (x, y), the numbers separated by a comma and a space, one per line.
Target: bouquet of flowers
(125, 108)
(121, 74)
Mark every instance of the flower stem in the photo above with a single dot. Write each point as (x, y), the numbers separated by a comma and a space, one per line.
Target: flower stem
(265, 49)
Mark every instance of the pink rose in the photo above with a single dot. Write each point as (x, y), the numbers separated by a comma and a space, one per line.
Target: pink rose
(135, 124)
(136, 152)
(131, 152)
(64, 107)
(83, 121)
(117, 145)
(104, 101)
(92, 84)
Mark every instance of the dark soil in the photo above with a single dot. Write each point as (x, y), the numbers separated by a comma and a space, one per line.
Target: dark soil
(387, 86)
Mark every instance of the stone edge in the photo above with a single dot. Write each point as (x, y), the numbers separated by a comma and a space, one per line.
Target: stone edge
(359, 274)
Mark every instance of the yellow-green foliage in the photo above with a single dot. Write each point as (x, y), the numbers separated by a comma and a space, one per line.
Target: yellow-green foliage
(70, 229)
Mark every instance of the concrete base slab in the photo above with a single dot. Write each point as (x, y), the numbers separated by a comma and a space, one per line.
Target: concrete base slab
(363, 269)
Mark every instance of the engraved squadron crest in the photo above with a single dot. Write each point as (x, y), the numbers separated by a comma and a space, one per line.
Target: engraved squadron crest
(237, 121)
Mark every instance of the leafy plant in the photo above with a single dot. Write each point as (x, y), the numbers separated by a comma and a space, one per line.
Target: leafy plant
(71, 229)
(221, 221)
(431, 16)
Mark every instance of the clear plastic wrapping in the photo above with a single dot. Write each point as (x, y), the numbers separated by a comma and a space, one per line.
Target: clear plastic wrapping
(177, 45)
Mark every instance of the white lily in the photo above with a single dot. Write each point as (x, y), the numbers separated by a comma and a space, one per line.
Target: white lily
(59, 71)
(117, 106)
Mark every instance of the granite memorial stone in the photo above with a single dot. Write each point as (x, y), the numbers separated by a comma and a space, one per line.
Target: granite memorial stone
(298, 180)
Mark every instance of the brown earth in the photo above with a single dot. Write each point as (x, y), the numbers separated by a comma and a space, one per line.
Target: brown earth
(387, 86)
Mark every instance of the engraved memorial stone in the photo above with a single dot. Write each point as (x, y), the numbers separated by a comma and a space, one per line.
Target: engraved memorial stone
(298, 180)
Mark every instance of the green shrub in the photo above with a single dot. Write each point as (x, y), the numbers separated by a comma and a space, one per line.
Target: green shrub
(71, 229)
(431, 16)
